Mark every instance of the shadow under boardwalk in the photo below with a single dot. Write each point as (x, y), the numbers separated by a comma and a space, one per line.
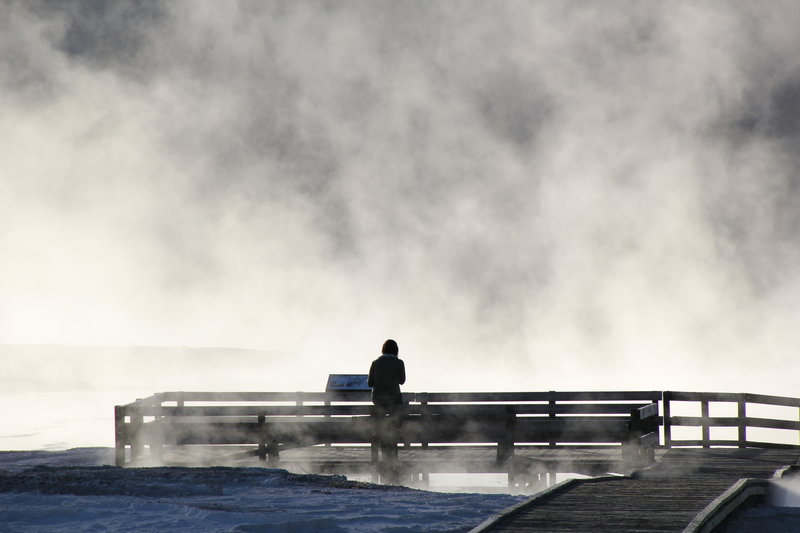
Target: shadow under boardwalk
(528, 463)
(669, 496)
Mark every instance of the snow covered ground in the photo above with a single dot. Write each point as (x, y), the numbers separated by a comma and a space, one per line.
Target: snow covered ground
(71, 491)
(76, 491)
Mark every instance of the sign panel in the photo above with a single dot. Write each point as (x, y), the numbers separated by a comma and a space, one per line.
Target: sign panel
(347, 382)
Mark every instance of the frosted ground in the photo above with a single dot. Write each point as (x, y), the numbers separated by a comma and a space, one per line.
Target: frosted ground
(76, 491)
(71, 491)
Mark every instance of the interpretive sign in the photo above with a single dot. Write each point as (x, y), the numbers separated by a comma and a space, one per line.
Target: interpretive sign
(347, 382)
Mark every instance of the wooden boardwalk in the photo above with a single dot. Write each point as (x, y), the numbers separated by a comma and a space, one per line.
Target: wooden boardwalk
(527, 435)
(687, 490)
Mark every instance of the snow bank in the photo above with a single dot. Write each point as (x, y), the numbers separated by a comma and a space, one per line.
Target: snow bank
(76, 491)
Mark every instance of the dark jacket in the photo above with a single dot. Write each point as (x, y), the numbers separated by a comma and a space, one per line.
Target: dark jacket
(386, 374)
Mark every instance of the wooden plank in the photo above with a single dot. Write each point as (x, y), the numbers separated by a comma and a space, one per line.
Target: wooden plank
(433, 397)
(772, 400)
(683, 396)
(771, 445)
(347, 429)
(530, 409)
(593, 396)
(735, 443)
(668, 499)
(733, 421)
(505, 515)
(365, 409)
(261, 410)
(196, 396)
(201, 396)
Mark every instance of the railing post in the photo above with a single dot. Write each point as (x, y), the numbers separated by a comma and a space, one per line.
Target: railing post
(273, 453)
(327, 414)
(262, 438)
(741, 414)
(137, 421)
(551, 476)
(374, 445)
(705, 429)
(156, 443)
(505, 448)
(666, 397)
(630, 444)
(425, 415)
(119, 435)
(552, 404)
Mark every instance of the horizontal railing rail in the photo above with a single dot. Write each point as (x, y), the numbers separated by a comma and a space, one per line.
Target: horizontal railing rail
(408, 397)
(365, 409)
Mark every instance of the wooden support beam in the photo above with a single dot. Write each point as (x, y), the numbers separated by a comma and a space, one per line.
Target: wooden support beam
(327, 414)
(135, 436)
(741, 414)
(273, 453)
(665, 401)
(262, 438)
(505, 447)
(119, 435)
(552, 405)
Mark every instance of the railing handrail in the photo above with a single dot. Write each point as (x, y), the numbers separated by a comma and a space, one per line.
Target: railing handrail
(534, 410)
(408, 397)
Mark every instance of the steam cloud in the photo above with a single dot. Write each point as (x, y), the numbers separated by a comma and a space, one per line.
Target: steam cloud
(563, 190)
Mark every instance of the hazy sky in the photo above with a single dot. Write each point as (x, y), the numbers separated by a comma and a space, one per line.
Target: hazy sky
(524, 194)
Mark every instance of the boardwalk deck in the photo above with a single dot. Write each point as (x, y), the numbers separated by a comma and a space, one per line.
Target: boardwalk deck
(666, 497)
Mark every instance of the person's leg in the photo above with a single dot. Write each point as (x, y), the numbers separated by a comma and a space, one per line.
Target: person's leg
(392, 431)
(386, 420)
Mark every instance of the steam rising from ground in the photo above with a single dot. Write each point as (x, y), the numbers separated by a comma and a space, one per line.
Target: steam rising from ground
(527, 195)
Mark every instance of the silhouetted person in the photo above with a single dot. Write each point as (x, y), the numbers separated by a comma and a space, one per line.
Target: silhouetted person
(386, 374)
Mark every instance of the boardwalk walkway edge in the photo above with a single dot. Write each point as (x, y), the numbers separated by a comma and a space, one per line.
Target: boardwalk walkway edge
(726, 503)
(536, 499)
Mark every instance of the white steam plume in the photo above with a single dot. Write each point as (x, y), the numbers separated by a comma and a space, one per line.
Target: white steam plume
(526, 195)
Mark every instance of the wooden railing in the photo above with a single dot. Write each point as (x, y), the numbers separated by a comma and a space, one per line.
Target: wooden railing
(275, 421)
(741, 421)
(270, 422)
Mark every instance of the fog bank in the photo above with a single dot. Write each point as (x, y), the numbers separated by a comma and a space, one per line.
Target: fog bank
(529, 195)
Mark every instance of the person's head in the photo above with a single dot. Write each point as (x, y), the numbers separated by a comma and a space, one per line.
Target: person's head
(389, 347)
